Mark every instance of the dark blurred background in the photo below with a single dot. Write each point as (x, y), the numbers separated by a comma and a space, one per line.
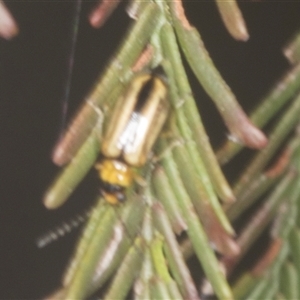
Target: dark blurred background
(33, 73)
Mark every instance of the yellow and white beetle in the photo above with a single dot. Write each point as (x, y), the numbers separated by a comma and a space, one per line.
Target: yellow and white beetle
(135, 124)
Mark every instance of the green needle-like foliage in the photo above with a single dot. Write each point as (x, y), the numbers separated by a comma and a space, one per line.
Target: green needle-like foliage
(185, 206)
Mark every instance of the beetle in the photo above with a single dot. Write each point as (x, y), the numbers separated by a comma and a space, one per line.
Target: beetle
(135, 124)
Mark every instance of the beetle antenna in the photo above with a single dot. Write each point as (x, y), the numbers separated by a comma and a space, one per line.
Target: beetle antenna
(63, 229)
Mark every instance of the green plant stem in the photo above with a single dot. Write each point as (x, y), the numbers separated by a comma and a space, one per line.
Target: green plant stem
(256, 188)
(280, 132)
(292, 49)
(264, 181)
(125, 275)
(197, 235)
(233, 19)
(186, 185)
(294, 242)
(270, 283)
(198, 58)
(166, 196)
(158, 289)
(262, 218)
(270, 105)
(78, 288)
(189, 121)
(174, 256)
(289, 281)
(72, 175)
(88, 233)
